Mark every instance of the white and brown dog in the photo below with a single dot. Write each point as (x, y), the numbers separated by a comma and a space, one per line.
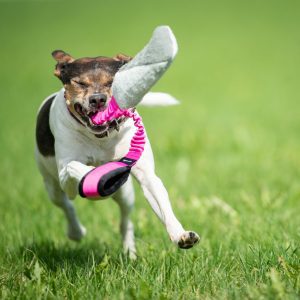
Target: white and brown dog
(69, 145)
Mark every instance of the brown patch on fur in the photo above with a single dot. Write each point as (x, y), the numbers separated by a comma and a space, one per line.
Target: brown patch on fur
(43, 134)
(123, 57)
(62, 58)
(86, 76)
(81, 87)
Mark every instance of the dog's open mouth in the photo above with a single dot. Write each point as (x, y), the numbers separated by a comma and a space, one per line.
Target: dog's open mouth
(99, 130)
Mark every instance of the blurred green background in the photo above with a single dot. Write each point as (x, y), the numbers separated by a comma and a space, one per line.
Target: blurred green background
(229, 154)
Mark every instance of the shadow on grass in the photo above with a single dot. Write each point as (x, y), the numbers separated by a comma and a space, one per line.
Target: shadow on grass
(57, 256)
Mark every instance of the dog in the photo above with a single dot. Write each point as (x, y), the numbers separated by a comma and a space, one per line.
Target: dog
(68, 145)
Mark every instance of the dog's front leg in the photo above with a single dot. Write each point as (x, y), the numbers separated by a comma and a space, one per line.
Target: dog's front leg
(70, 175)
(158, 199)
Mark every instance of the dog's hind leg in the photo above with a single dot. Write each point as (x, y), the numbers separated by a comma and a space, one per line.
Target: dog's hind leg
(125, 199)
(75, 230)
(47, 167)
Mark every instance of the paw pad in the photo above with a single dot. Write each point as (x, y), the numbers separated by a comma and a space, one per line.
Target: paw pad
(188, 240)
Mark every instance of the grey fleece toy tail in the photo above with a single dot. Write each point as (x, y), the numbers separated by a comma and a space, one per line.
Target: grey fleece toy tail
(136, 78)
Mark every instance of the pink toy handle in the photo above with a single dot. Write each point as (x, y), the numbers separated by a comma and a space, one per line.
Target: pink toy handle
(104, 180)
(108, 178)
(138, 141)
(113, 111)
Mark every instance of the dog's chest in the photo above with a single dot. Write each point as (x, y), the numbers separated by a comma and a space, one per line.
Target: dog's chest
(74, 142)
(98, 151)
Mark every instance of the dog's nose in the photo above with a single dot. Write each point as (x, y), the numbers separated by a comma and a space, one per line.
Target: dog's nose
(97, 100)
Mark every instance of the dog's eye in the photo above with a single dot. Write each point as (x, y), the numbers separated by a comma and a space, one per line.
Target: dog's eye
(108, 84)
(81, 83)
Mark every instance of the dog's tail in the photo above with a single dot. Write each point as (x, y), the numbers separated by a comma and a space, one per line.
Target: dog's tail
(158, 99)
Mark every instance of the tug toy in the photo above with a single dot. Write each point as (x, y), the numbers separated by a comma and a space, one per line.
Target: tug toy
(130, 84)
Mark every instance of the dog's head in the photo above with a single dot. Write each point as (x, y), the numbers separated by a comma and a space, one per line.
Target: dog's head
(87, 82)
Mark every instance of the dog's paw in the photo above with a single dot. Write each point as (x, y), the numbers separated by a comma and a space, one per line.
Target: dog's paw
(131, 253)
(188, 239)
(76, 233)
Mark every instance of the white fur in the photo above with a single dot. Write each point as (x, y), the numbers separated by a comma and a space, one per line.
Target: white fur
(77, 151)
(158, 99)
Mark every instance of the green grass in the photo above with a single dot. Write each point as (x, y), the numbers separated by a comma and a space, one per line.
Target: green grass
(229, 155)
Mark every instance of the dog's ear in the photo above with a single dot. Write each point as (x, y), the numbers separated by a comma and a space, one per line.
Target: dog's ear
(123, 58)
(62, 59)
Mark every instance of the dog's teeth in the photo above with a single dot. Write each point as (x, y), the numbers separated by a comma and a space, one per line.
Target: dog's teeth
(117, 125)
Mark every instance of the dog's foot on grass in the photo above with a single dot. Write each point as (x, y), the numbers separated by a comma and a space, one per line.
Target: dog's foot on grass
(76, 233)
(130, 253)
(127, 231)
(188, 240)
